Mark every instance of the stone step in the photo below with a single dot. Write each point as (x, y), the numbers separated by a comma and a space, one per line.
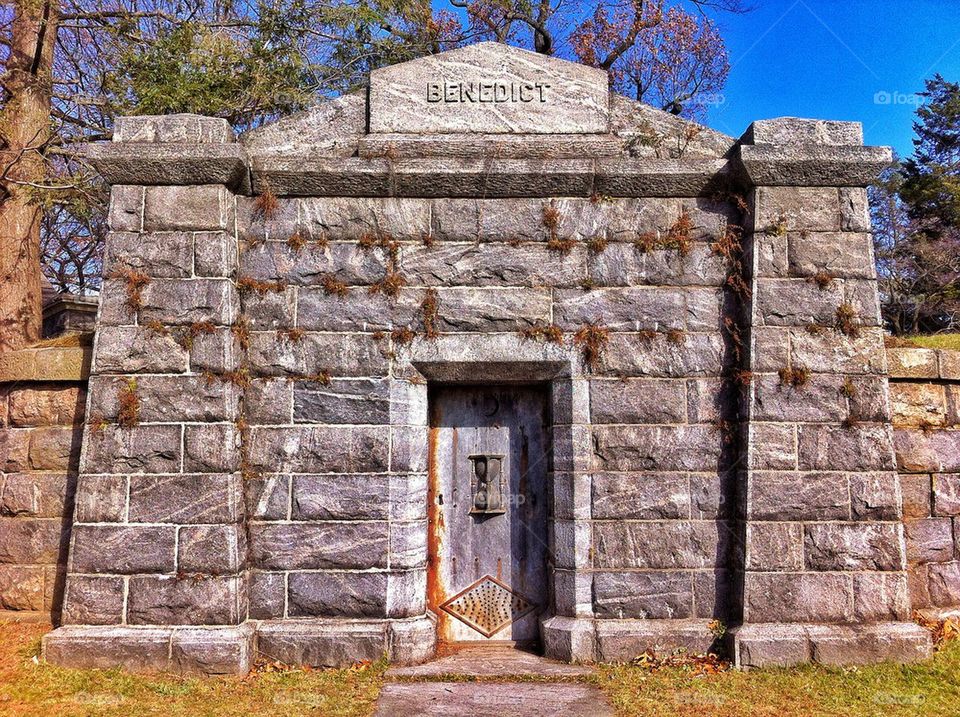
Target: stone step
(491, 661)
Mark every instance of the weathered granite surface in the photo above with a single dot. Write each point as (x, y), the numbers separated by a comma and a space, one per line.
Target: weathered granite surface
(42, 403)
(925, 399)
(488, 88)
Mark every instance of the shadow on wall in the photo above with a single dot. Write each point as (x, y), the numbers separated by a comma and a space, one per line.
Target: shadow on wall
(42, 407)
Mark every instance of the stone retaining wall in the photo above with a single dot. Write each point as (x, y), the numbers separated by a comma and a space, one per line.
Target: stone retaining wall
(925, 395)
(42, 401)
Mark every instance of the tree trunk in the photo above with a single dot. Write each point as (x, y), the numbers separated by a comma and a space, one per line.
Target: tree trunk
(24, 133)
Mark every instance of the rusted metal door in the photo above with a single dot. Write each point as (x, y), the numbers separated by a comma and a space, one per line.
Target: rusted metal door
(488, 512)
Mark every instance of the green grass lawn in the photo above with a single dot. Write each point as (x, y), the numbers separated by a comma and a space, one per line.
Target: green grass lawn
(929, 688)
(30, 687)
(935, 341)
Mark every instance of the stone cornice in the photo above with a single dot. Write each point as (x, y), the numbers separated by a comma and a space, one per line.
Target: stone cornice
(294, 175)
(171, 163)
(435, 177)
(809, 165)
(450, 166)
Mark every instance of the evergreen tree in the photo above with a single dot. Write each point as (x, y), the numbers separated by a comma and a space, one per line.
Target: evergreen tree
(916, 211)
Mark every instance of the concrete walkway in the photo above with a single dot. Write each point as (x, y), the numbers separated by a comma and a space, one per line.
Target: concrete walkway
(436, 688)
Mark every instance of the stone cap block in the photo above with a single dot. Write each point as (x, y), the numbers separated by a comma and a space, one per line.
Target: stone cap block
(912, 363)
(141, 163)
(948, 361)
(812, 165)
(55, 363)
(785, 645)
(330, 128)
(795, 130)
(178, 128)
(629, 177)
(211, 650)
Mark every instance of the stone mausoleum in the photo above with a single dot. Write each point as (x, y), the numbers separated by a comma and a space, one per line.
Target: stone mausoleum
(486, 353)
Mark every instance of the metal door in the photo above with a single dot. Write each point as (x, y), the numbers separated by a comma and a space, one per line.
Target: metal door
(488, 512)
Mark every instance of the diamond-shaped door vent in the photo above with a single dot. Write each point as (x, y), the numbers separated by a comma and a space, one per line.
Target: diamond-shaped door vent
(488, 606)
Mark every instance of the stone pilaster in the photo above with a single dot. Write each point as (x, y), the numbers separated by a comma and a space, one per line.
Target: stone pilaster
(825, 564)
(156, 572)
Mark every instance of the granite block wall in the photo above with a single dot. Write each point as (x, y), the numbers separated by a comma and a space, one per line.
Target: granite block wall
(925, 398)
(492, 268)
(42, 401)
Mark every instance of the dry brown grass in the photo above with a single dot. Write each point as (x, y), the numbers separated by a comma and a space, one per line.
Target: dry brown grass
(794, 376)
(128, 405)
(390, 285)
(547, 333)
(823, 279)
(332, 286)
(380, 240)
(646, 242)
(71, 340)
(403, 336)
(430, 313)
(241, 331)
(598, 243)
(266, 204)
(592, 341)
(259, 286)
(291, 335)
(680, 234)
(321, 377)
(157, 327)
(296, 241)
(135, 282)
(847, 320)
(187, 336)
(849, 388)
(676, 336)
(551, 221)
(561, 245)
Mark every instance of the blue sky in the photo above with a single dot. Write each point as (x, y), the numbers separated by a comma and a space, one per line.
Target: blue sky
(860, 60)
